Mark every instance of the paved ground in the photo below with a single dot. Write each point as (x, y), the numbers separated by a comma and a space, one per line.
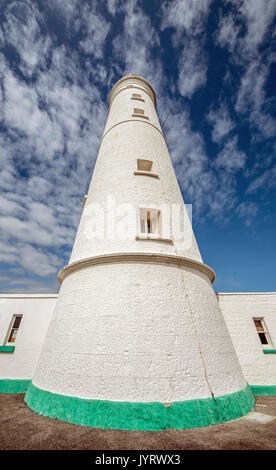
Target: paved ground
(21, 428)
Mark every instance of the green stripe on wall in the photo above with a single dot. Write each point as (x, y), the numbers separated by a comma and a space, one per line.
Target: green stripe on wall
(13, 386)
(7, 348)
(269, 351)
(263, 390)
(152, 416)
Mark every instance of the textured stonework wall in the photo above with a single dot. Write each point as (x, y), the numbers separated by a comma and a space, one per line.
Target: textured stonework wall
(238, 311)
(114, 175)
(37, 312)
(124, 332)
(136, 331)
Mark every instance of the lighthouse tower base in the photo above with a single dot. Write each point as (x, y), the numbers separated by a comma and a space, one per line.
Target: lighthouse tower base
(139, 342)
(141, 416)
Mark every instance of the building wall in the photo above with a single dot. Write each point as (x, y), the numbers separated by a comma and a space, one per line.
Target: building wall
(37, 311)
(238, 310)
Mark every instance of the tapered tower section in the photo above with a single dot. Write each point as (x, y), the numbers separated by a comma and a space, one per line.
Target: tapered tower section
(137, 339)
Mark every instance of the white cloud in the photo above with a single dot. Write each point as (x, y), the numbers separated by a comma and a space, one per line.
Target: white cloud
(114, 6)
(259, 16)
(220, 120)
(247, 211)
(256, 15)
(185, 15)
(137, 46)
(95, 29)
(244, 49)
(192, 68)
(264, 181)
(22, 31)
(251, 99)
(187, 18)
(230, 158)
(21, 111)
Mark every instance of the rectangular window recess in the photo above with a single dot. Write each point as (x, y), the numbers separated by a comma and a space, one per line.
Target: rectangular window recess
(153, 238)
(263, 333)
(146, 173)
(144, 165)
(13, 329)
(140, 116)
(269, 351)
(5, 348)
(138, 111)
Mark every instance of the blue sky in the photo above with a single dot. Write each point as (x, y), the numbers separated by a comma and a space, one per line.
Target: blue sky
(210, 61)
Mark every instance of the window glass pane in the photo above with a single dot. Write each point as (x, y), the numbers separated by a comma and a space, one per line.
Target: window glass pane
(17, 322)
(143, 227)
(149, 230)
(12, 336)
(258, 324)
(263, 339)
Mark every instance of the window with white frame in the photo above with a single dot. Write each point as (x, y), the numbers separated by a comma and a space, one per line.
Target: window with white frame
(11, 337)
(150, 223)
(262, 332)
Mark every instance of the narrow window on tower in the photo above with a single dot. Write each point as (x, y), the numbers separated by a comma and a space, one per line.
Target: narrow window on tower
(137, 112)
(144, 167)
(150, 223)
(11, 336)
(262, 332)
(136, 96)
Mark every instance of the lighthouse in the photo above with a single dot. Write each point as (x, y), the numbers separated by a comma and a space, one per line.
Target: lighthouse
(137, 339)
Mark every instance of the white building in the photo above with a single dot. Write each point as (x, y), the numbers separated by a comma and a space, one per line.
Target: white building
(137, 338)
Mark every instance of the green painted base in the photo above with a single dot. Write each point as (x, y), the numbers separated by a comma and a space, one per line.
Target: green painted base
(7, 349)
(13, 386)
(140, 416)
(263, 390)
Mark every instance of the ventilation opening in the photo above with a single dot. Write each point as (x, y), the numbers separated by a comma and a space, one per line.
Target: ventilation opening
(136, 96)
(138, 111)
(144, 165)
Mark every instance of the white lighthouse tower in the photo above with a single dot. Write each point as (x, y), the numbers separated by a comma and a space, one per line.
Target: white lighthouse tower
(137, 339)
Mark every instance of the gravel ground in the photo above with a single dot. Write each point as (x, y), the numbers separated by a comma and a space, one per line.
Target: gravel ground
(21, 428)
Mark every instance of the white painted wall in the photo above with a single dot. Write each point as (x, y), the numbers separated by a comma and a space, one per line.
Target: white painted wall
(125, 140)
(133, 331)
(37, 311)
(239, 309)
(131, 338)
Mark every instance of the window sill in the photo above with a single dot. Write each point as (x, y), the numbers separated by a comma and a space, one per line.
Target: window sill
(138, 99)
(139, 116)
(146, 173)
(7, 348)
(153, 238)
(269, 351)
